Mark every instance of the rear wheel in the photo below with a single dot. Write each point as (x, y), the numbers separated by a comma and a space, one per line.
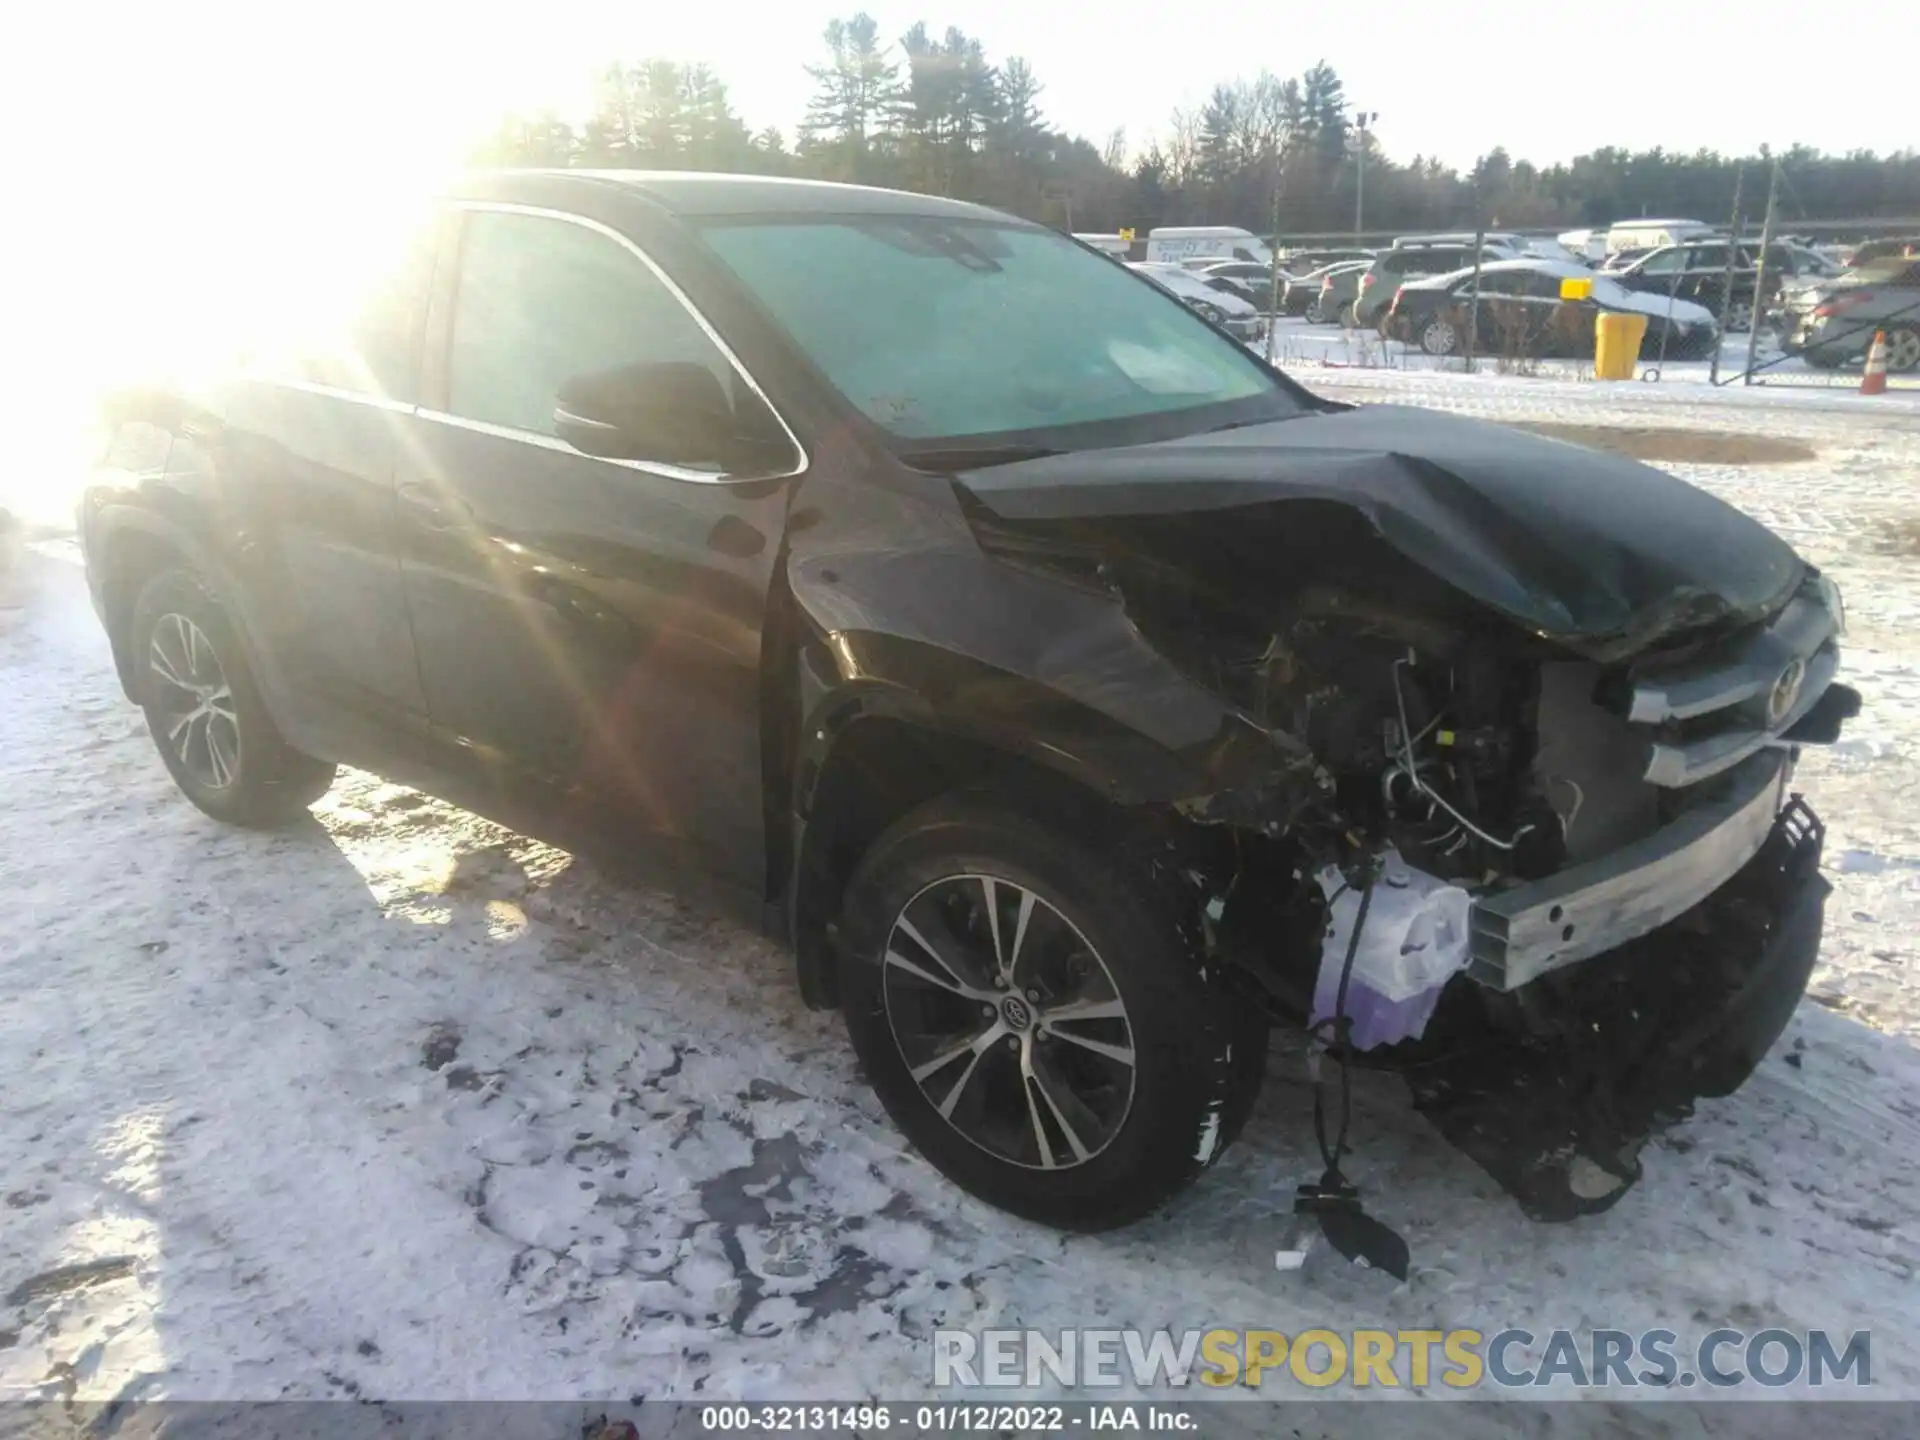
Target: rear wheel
(1439, 337)
(1903, 350)
(1038, 1020)
(205, 712)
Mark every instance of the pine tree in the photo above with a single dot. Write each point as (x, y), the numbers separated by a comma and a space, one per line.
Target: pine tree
(716, 140)
(853, 92)
(661, 131)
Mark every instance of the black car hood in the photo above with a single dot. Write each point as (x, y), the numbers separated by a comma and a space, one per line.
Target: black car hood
(1600, 553)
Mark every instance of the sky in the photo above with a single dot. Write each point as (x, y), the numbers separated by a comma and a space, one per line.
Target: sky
(359, 73)
(137, 130)
(1530, 77)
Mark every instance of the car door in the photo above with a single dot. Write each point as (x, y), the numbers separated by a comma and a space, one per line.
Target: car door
(313, 426)
(1505, 323)
(596, 623)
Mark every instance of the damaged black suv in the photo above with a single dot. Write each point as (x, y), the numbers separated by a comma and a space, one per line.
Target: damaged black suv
(1076, 694)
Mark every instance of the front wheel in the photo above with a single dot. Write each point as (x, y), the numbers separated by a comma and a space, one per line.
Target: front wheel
(205, 712)
(1040, 1022)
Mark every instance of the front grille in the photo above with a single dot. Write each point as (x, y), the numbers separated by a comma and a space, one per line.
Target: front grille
(1706, 711)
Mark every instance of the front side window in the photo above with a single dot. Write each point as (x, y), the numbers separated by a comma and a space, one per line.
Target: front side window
(939, 328)
(1665, 262)
(542, 301)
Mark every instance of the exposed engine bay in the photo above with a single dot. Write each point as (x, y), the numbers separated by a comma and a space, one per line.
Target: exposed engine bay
(1419, 737)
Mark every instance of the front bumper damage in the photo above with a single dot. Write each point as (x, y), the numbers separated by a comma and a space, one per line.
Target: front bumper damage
(1585, 910)
(1557, 1114)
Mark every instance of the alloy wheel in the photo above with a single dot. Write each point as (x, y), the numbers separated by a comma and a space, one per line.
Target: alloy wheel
(195, 701)
(1903, 350)
(1437, 338)
(1009, 1022)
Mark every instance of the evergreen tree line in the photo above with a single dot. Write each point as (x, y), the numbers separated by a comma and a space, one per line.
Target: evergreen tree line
(932, 113)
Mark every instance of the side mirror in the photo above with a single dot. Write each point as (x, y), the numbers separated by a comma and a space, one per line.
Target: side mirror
(670, 412)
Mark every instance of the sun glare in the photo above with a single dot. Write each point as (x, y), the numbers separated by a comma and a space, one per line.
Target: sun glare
(203, 170)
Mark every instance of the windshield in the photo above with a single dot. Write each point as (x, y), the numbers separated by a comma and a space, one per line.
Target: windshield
(939, 329)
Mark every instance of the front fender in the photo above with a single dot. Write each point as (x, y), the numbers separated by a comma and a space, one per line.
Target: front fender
(988, 671)
(124, 542)
(854, 675)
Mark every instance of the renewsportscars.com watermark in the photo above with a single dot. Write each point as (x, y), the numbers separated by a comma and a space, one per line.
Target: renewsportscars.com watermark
(1361, 1359)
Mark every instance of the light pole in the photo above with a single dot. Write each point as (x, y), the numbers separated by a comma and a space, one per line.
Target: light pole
(1358, 144)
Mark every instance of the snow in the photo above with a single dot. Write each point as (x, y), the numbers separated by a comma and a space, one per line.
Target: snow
(400, 1104)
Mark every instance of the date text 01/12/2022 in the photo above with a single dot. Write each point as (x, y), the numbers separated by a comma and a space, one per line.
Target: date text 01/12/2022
(945, 1419)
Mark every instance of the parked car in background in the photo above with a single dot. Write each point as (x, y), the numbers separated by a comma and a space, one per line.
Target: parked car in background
(1793, 269)
(1301, 294)
(1890, 247)
(1833, 323)
(1113, 245)
(1409, 259)
(1543, 248)
(1174, 243)
(1695, 270)
(1588, 245)
(1332, 303)
(1522, 313)
(1230, 312)
(1303, 261)
(1250, 281)
(1508, 245)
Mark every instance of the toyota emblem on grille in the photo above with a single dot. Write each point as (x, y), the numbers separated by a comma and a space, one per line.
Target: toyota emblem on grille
(1785, 691)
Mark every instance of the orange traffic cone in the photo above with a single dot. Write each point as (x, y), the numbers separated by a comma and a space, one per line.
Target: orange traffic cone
(1874, 381)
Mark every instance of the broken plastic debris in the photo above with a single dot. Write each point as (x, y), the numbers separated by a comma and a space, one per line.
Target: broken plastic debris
(1295, 1243)
(1415, 940)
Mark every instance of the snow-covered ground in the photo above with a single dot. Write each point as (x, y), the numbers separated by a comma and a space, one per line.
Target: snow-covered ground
(1306, 349)
(398, 1104)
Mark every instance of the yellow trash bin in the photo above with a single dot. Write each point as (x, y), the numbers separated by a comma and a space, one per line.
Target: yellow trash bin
(1616, 344)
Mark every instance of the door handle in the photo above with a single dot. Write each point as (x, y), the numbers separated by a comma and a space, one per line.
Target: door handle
(434, 510)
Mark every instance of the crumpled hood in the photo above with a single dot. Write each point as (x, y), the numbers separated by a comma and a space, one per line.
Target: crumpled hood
(1593, 550)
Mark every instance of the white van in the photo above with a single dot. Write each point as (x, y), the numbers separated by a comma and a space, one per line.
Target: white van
(1172, 244)
(1651, 234)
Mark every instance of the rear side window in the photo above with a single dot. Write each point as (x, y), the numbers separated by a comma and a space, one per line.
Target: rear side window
(542, 300)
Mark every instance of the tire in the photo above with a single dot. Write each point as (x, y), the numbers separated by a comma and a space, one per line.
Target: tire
(204, 710)
(1438, 336)
(1049, 1121)
(1903, 350)
(1315, 315)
